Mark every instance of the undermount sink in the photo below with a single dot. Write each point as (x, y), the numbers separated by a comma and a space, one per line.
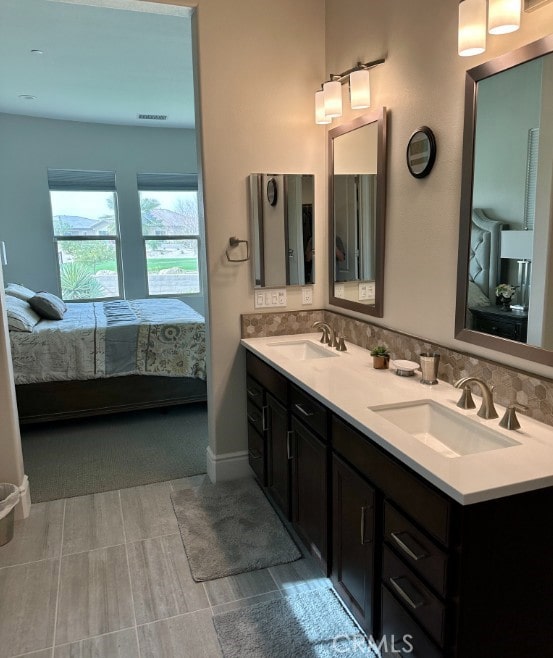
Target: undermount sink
(302, 350)
(444, 430)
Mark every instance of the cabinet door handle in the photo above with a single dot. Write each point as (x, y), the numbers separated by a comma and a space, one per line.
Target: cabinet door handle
(363, 512)
(302, 410)
(289, 435)
(265, 424)
(413, 599)
(414, 551)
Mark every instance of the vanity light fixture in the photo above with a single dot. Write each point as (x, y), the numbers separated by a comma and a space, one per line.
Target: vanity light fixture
(328, 100)
(503, 16)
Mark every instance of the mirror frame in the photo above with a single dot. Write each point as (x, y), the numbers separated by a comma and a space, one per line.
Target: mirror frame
(510, 60)
(381, 118)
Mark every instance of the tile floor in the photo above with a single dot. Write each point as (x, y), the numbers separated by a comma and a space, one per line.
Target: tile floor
(106, 576)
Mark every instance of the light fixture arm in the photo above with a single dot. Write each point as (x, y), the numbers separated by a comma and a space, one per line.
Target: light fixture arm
(343, 77)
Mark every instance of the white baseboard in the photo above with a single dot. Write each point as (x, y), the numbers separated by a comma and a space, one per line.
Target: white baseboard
(23, 508)
(228, 466)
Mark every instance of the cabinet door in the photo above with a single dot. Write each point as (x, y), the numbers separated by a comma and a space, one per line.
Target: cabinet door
(278, 454)
(309, 490)
(353, 542)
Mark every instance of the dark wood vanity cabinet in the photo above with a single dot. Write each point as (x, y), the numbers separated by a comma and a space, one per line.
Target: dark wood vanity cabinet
(353, 541)
(424, 575)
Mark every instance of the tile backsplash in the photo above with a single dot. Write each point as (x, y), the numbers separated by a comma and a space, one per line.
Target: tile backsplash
(510, 385)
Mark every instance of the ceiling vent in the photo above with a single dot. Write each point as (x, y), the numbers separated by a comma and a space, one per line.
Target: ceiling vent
(153, 117)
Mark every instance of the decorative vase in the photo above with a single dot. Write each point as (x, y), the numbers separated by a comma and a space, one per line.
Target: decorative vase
(506, 303)
(381, 362)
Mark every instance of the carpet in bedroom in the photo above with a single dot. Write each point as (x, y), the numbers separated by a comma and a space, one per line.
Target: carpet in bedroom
(104, 453)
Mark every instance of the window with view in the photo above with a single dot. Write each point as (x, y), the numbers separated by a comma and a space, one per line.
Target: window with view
(170, 229)
(84, 217)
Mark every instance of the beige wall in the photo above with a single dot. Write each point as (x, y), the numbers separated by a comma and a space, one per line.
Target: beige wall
(421, 83)
(260, 63)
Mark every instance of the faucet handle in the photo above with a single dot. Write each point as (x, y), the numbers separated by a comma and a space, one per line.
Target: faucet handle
(510, 420)
(341, 346)
(466, 401)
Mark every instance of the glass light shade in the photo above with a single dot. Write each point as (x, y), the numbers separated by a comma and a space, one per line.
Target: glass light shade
(472, 27)
(333, 99)
(503, 16)
(320, 108)
(360, 90)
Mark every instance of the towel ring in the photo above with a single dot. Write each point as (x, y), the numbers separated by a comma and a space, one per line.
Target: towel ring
(234, 242)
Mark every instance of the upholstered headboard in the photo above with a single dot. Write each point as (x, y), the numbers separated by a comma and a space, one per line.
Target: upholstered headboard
(485, 252)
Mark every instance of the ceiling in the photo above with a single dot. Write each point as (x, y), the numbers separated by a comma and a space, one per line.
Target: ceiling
(99, 64)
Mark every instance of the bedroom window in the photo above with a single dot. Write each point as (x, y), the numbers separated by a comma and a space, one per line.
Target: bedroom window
(84, 218)
(171, 232)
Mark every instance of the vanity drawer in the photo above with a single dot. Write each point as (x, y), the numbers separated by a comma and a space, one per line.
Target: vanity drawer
(256, 454)
(407, 588)
(255, 417)
(404, 638)
(312, 413)
(254, 392)
(432, 510)
(268, 377)
(415, 548)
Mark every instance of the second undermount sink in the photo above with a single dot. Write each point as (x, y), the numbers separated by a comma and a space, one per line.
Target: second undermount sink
(301, 350)
(444, 430)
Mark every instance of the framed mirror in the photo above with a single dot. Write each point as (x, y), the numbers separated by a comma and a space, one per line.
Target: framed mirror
(281, 214)
(357, 213)
(504, 300)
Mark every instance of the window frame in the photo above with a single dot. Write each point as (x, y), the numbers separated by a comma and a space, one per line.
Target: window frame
(87, 238)
(160, 238)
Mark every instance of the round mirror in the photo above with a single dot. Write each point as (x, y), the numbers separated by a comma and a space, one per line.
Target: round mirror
(421, 152)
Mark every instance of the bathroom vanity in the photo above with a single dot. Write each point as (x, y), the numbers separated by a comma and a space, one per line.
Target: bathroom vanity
(447, 550)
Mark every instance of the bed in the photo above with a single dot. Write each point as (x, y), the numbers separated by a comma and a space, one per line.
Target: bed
(103, 357)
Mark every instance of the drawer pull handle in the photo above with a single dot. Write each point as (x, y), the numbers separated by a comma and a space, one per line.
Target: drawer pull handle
(265, 424)
(255, 454)
(253, 418)
(252, 393)
(363, 512)
(413, 598)
(289, 444)
(414, 551)
(302, 410)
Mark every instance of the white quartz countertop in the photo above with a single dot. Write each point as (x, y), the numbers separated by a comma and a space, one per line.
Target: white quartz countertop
(348, 385)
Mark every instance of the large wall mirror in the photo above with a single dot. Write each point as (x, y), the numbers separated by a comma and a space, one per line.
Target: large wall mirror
(281, 211)
(357, 208)
(504, 288)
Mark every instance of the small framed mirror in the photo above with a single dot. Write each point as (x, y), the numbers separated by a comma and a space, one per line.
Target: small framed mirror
(421, 152)
(357, 213)
(281, 212)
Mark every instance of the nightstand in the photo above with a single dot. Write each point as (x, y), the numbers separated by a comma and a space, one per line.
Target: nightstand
(500, 322)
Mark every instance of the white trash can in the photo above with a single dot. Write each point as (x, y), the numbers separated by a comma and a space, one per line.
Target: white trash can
(9, 497)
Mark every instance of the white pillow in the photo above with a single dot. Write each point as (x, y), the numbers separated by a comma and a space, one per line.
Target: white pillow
(21, 316)
(19, 291)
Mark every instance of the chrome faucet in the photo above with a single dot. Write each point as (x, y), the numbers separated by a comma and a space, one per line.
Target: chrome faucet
(487, 409)
(328, 335)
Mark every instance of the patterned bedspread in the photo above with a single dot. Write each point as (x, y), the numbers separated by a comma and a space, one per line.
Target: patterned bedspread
(106, 339)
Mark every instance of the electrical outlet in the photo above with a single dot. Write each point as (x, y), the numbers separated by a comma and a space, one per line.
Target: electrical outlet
(339, 290)
(281, 297)
(370, 289)
(363, 291)
(307, 295)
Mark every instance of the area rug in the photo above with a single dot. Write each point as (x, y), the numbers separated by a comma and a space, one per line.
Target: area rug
(230, 528)
(308, 624)
(104, 453)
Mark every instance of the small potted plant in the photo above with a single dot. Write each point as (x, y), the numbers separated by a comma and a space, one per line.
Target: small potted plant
(381, 356)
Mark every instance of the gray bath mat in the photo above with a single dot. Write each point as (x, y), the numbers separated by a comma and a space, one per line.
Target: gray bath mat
(230, 528)
(308, 624)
